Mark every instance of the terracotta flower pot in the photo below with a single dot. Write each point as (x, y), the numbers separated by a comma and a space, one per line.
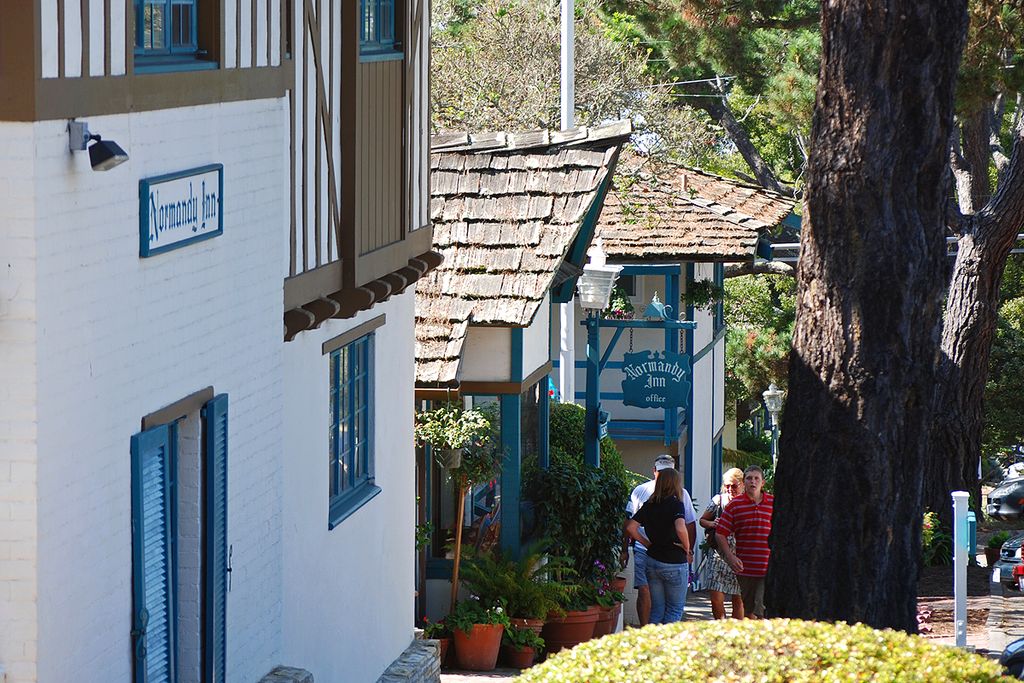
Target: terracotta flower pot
(443, 645)
(569, 630)
(478, 649)
(619, 584)
(534, 625)
(518, 658)
(605, 621)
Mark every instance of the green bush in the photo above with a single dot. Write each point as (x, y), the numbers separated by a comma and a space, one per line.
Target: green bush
(936, 542)
(521, 583)
(757, 650)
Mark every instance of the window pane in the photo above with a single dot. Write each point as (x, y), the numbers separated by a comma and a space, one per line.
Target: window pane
(181, 26)
(153, 24)
(332, 421)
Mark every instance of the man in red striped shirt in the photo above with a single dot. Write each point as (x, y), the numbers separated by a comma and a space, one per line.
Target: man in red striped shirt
(749, 518)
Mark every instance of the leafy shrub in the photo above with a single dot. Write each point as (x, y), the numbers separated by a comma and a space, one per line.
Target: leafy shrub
(566, 439)
(581, 510)
(763, 650)
(523, 637)
(998, 539)
(936, 542)
(520, 583)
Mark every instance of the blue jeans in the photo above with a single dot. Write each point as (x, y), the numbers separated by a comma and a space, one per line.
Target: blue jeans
(668, 583)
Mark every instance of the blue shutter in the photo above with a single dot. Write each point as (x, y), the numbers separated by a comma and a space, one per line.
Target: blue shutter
(153, 618)
(215, 415)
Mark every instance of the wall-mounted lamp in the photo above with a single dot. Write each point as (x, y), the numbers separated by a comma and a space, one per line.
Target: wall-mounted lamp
(103, 154)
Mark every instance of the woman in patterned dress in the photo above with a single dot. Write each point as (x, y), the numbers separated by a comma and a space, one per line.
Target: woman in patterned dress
(721, 579)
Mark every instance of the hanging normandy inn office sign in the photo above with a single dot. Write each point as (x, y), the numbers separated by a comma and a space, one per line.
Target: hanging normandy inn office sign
(180, 208)
(655, 379)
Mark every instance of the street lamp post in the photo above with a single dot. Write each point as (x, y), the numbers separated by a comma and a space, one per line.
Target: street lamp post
(773, 402)
(594, 287)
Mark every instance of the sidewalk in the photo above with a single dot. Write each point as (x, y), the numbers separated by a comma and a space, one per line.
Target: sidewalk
(698, 608)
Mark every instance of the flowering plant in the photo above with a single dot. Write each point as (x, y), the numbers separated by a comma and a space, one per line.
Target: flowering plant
(523, 637)
(436, 630)
(450, 426)
(469, 612)
(599, 591)
(620, 307)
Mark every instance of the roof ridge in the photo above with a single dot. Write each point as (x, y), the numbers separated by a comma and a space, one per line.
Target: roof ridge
(522, 140)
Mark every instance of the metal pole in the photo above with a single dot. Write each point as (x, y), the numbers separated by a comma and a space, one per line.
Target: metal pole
(566, 312)
(960, 542)
(591, 440)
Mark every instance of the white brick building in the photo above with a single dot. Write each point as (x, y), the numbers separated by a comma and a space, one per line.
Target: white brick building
(219, 431)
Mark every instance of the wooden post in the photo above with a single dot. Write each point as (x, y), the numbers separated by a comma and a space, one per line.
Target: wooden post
(459, 511)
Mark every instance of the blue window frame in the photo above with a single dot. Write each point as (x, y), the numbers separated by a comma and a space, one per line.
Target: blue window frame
(351, 434)
(719, 312)
(377, 35)
(166, 35)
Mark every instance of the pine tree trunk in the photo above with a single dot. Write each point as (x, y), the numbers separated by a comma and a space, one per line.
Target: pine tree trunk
(846, 529)
(972, 308)
(718, 109)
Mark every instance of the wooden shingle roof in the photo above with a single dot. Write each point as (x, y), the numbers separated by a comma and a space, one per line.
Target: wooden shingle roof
(505, 209)
(674, 213)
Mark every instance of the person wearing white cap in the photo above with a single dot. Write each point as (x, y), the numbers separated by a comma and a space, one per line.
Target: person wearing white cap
(637, 498)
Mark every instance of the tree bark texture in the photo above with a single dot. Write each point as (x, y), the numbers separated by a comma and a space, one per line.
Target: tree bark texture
(846, 530)
(972, 307)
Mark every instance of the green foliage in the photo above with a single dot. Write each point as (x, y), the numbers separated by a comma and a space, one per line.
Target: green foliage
(1004, 420)
(936, 542)
(424, 532)
(472, 611)
(759, 314)
(763, 650)
(998, 539)
(703, 294)
(566, 430)
(522, 584)
(619, 307)
(519, 638)
(745, 459)
(435, 630)
(581, 510)
(451, 426)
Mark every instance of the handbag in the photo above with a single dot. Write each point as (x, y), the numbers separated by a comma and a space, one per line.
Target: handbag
(700, 577)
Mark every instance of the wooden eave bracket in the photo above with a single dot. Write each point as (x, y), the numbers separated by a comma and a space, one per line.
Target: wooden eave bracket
(345, 303)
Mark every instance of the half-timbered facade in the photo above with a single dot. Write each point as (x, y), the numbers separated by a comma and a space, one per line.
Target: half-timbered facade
(212, 217)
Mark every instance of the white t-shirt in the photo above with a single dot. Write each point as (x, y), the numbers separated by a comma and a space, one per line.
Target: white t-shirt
(644, 491)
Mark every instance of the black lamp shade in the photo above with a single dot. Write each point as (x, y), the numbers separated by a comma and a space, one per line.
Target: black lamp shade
(106, 154)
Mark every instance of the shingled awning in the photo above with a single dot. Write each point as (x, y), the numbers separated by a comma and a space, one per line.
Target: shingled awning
(673, 213)
(505, 210)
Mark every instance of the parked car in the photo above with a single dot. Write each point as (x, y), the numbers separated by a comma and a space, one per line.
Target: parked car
(1006, 501)
(1009, 557)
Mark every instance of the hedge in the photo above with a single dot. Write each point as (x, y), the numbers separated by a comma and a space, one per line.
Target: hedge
(756, 651)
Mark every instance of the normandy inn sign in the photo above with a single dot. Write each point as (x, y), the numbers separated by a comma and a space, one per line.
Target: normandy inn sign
(180, 208)
(655, 380)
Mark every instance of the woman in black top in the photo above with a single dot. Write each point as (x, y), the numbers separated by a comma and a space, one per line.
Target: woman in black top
(668, 547)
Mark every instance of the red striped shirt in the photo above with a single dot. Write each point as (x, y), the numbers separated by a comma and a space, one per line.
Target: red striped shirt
(751, 523)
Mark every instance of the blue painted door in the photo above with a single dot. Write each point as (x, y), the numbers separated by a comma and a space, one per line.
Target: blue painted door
(152, 569)
(215, 425)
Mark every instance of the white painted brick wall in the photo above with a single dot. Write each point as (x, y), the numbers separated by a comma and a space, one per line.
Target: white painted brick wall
(119, 337)
(18, 367)
(349, 591)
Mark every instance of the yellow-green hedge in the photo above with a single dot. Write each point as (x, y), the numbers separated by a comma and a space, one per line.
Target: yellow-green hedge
(770, 651)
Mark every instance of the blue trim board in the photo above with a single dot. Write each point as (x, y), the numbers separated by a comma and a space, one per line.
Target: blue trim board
(511, 472)
(578, 251)
(707, 347)
(544, 424)
(688, 454)
(516, 362)
(643, 269)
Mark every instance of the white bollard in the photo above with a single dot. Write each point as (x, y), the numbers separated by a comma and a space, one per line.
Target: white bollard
(960, 557)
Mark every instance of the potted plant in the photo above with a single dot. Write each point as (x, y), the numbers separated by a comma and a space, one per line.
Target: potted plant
(477, 631)
(473, 434)
(448, 429)
(522, 584)
(520, 647)
(994, 546)
(606, 598)
(441, 632)
(573, 623)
